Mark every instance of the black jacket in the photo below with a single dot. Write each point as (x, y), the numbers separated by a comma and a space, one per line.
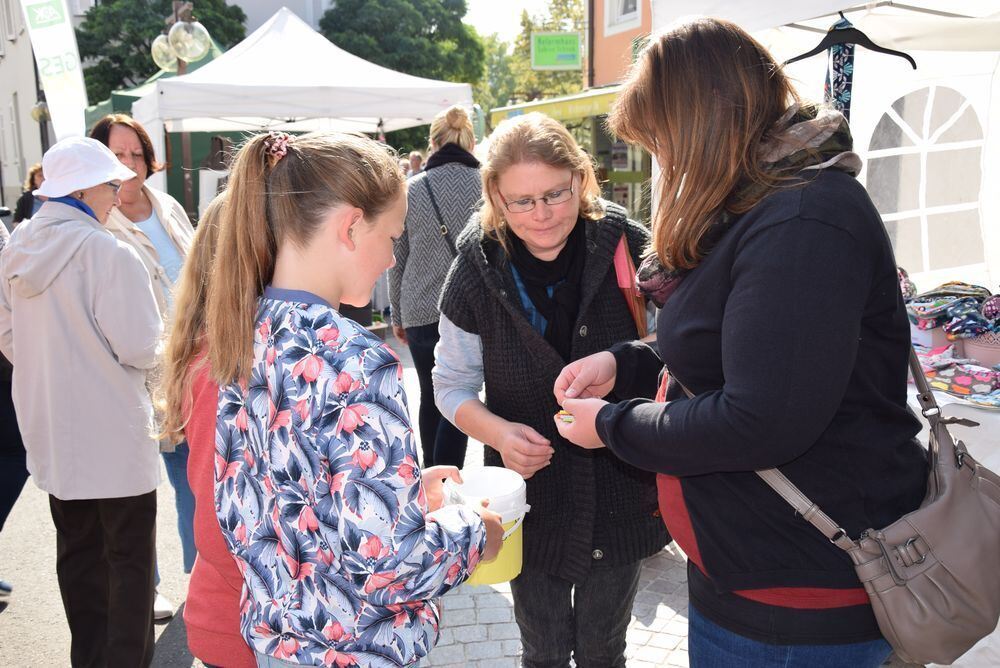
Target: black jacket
(25, 206)
(793, 335)
(587, 507)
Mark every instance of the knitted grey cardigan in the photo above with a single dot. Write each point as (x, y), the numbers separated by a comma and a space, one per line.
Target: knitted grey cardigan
(422, 254)
(587, 507)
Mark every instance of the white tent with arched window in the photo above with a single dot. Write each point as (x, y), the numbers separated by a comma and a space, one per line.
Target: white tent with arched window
(932, 164)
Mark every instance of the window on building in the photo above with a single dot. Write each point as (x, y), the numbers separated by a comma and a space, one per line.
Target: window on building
(924, 174)
(9, 10)
(621, 15)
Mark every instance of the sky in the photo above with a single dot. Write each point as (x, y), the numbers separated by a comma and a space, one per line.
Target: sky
(501, 16)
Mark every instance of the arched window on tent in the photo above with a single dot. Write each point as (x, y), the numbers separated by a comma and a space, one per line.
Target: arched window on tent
(924, 173)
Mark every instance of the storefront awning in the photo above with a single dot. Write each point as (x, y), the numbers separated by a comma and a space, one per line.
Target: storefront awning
(593, 102)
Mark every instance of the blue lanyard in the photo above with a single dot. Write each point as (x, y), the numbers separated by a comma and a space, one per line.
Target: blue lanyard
(75, 203)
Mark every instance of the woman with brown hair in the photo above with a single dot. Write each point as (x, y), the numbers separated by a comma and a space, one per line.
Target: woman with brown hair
(188, 401)
(534, 287)
(28, 203)
(786, 340)
(440, 200)
(156, 226)
(341, 539)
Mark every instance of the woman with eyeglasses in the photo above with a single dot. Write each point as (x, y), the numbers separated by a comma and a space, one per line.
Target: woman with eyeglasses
(79, 322)
(532, 288)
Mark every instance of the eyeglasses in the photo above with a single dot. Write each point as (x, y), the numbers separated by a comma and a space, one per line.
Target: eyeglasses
(114, 186)
(528, 203)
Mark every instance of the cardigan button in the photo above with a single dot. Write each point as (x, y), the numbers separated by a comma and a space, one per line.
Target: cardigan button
(597, 554)
(583, 331)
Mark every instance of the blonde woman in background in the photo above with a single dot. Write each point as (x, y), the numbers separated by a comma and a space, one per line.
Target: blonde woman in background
(441, 199)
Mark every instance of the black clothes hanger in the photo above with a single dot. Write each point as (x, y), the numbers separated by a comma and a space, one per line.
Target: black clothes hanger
(850, 36)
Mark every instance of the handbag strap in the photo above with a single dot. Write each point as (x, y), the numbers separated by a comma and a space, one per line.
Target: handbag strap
(802, 504)
(625, 273)
(437, 212)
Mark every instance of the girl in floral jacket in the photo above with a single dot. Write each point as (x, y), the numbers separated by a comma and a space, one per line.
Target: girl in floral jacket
(317, 490)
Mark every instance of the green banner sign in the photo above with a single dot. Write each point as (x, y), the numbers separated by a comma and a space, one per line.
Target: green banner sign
(556, 51)
(44, 14)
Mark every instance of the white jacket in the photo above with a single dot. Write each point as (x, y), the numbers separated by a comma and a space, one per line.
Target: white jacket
(178, 227)
(79, 321)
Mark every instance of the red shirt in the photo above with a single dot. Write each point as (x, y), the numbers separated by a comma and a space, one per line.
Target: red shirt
(212, 610)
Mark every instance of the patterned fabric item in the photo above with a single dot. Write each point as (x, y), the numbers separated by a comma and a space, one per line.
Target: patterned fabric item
(906, 286)
(801, 139)
(965, 320)
(319, 498)
(991, 400)
(991, 308)
(964, 379)
(840, 73)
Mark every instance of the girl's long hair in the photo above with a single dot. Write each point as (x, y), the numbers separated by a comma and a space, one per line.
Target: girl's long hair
(700, 99)
(185, 338)
(275, 199)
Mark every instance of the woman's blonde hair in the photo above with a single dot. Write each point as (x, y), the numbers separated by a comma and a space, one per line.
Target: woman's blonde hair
(186, 336)
(700, 99)
(452, 126)
(267, 205)
(29, 181)
(533, 138)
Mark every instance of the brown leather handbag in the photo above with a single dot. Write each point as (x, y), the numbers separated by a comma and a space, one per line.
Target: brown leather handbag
(933, 575)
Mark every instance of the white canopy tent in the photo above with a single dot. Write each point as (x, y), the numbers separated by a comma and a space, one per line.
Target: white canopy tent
(925, 135)
(286, 76)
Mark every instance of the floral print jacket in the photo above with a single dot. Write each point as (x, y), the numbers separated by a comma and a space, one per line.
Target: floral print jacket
(319, 497)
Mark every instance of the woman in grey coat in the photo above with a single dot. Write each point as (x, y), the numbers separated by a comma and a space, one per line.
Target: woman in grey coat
(441, 199)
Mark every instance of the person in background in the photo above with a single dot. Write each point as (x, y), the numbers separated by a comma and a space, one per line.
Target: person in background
(416, 163)
(786, 338)
(341, 539)
(534, 287)
(28, 203)
(188, 400)
(156, 226)
(13, 465)
(440, 201)
(79, 322)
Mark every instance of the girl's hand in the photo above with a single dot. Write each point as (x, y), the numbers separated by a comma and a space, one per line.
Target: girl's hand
(591, 376)
(433, 479)
(582, 430)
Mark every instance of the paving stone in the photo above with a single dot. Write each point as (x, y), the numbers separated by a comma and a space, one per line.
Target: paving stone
(649, 597)
(637, 637)
(507, 631)
(491, 649)
(678, 658)
(512, 647)
(661, 585)
(458, 602)
(494, 615)
(445, 655)
(447, 638)
(502, 662)
(457, 618)
(655, 655)
(666, 641)
(642, 664)
(493, 600)
(470, 634)
(676, 628)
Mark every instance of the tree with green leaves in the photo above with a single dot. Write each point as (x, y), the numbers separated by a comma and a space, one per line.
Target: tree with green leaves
(115, 37)
(425, 38)
(498, 85)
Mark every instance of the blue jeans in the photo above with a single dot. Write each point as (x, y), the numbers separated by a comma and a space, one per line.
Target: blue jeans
(176, 463)
(711, 646)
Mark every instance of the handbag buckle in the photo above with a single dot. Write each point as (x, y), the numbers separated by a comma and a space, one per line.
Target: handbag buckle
(910, 554)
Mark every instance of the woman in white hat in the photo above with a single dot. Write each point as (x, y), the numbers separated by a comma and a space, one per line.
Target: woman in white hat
(79, 321)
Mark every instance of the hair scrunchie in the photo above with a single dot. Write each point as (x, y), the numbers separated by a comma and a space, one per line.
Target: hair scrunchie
(276, 145)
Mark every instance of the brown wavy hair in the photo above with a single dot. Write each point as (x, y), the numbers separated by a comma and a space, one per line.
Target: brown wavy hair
(29, 180)
(700, 99)
(102, 133)
(186, 337)
(531, 138)
(267, 205)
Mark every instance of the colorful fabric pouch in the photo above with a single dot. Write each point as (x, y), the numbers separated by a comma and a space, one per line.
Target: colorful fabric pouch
(964, 380)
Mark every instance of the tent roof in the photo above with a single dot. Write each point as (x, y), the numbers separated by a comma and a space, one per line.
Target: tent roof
(285, 75)
(956, 25)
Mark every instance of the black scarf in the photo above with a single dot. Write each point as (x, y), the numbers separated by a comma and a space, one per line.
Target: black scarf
(565, 272)
(451, 153)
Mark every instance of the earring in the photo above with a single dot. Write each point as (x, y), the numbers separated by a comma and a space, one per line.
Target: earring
(80, 196)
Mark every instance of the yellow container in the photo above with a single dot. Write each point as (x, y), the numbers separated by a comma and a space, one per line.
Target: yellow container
(506, 492)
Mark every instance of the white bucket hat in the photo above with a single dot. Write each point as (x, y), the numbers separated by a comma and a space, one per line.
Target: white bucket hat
(77, 163)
